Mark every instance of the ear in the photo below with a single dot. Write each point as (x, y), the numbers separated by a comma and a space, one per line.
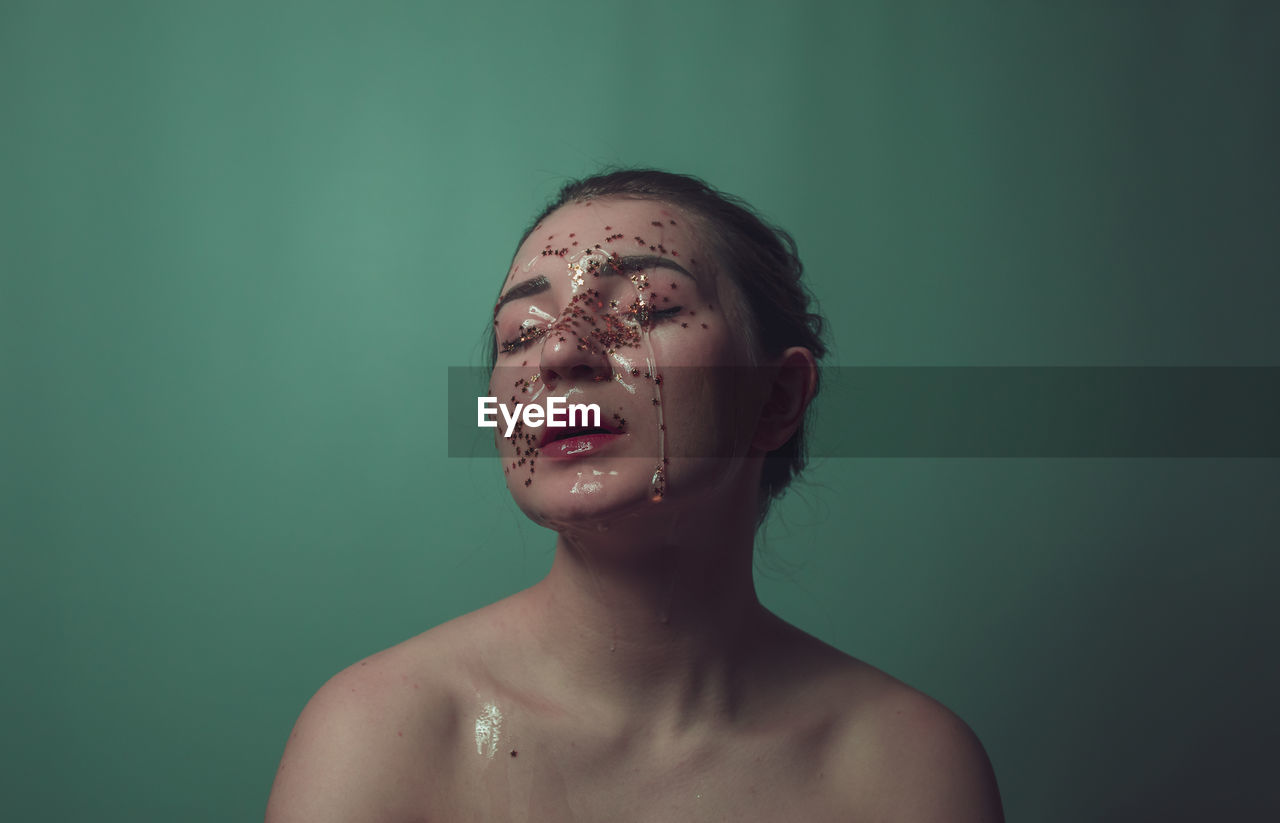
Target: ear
(786, 399)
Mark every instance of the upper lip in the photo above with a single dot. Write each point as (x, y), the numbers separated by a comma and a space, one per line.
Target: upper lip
(551, 434)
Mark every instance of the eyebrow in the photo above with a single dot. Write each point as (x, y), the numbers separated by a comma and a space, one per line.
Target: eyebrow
(528, 287)
(652, 261)
(632, 263)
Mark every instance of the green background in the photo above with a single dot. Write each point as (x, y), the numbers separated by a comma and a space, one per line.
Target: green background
(242, 242)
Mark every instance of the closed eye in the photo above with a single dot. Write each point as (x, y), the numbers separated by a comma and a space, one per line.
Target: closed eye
(527, 335)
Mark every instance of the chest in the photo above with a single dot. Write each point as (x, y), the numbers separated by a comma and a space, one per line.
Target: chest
(562, 783)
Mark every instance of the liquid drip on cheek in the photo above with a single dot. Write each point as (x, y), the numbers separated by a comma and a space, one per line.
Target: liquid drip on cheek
(626, 367)
(660, 472)
(659, 481)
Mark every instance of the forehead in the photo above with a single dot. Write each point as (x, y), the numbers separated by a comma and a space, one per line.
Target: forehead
(623, 225)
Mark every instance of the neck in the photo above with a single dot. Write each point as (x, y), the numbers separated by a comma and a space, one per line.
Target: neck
(651, 626)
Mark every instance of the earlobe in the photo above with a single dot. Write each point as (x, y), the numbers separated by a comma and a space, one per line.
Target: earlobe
(787, 399)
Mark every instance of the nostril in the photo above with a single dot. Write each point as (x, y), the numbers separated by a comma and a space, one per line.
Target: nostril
(575, 373)
(582, 372)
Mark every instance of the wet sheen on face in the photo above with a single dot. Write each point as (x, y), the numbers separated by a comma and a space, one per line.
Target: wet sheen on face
(598, 294)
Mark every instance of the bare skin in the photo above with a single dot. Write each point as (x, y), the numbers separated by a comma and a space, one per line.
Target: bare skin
(807, 734)
(641, 679)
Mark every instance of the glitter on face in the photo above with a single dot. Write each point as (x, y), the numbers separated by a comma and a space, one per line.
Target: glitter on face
(599, 324)
(590, 263)
(488, 730)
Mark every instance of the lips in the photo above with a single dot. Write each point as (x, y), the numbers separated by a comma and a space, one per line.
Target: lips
(555, 436)
(578, 445)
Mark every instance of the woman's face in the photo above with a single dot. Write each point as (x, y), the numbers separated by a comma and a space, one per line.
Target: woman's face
(613, 302)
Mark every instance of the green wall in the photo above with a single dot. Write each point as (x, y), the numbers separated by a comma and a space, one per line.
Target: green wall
(242, 242)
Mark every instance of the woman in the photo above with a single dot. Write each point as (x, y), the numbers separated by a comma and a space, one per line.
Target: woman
(641, 679)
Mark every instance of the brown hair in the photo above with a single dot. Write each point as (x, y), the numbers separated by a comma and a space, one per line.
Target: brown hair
(761, 260)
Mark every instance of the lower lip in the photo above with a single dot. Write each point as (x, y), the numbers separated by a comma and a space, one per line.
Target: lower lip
(572, 447)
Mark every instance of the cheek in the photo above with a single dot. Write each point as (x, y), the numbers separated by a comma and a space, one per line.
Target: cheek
(709, 411)
(519, 450)
(699, 335)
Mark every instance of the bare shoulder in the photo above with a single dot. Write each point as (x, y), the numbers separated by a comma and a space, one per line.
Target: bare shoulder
(910, 758)
(891, 752)
(364, 741)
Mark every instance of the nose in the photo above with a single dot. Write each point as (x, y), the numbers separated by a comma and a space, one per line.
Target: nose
(569, 351)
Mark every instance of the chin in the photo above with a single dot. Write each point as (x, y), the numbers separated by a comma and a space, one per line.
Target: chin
(563, 498)
(604, 494)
